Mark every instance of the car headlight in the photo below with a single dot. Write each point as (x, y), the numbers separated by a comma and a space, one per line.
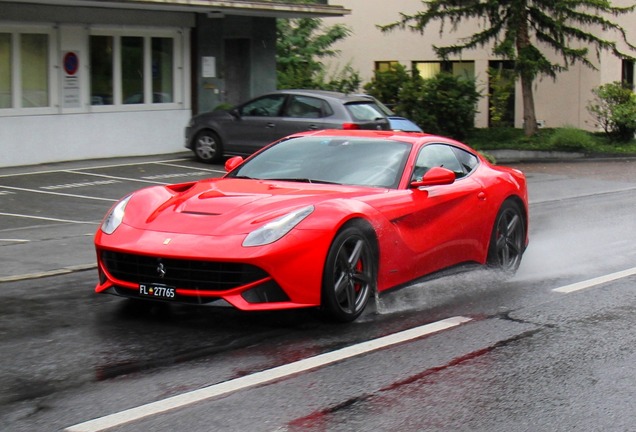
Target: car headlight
(115, 216)
(276, 229)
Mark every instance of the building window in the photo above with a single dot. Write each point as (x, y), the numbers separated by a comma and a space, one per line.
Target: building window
(5, 71)
(162, 70)
(132, 70)
(428, 69)
(34, 77)
(627, 73)
(25, 70)
(386, 66)
(101, 58)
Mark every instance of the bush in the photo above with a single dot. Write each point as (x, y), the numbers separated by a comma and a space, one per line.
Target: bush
(569, 138)
(444, 104)
(614, 107)
(386, 85)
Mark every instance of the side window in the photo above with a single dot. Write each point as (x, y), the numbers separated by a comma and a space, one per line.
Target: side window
(467, 160)
(441, 155)
(266, 106)
(305, 107)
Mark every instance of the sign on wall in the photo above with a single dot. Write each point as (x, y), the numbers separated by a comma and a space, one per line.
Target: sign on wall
(71, 85)
(208, 67)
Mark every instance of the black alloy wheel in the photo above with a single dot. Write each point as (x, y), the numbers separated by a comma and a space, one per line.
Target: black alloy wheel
(507, 241)
(349, 276)
(208, 147)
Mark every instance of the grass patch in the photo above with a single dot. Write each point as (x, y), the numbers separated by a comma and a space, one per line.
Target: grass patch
(558, 139)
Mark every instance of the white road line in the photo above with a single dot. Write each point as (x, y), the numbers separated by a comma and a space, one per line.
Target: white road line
(57, 193)
(14, 240)
(114, 177)
(90, 167)
(48, 218)
(190, 167)
(176, 175)
(596, 281)
(259, 378)
(80, 185)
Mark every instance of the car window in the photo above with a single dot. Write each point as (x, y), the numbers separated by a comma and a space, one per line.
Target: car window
(306, 107)
(446, 156)
(468, 160)
(266, 106)
(350, 161)
(364, 111)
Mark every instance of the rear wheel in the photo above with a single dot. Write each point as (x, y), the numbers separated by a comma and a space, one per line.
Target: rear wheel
(207, 147)
(507, 240)
(349, 275)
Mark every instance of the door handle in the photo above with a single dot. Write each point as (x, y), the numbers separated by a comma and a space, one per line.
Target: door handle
(313, 127)
(481, 196)
(270, 125)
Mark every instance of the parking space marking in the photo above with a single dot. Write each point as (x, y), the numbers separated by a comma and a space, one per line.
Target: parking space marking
(175, 175)
(57, 193)
(141, 180)
(52, 171)
(595, 281)
(79, 185)
(264, 377)
(189, 167)
(49, 219)
(6, 192)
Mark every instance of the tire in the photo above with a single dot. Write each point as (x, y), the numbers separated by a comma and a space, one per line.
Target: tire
(349, 276)
(208, 147)
(507, 241)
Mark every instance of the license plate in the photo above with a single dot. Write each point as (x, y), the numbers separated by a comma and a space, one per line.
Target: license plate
(156, 291)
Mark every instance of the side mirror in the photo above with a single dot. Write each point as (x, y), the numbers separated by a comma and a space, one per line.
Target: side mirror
(234, 112)
(434, 177)
(232, 163)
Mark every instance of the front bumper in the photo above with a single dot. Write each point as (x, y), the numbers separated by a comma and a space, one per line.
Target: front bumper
(202, 269)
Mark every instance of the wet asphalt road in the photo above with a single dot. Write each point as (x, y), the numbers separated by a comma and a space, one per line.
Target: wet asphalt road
(527, 357)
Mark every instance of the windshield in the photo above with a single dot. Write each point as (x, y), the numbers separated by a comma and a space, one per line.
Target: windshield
(339, 160)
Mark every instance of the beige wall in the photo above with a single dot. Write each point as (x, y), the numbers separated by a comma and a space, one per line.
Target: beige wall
(558, 103)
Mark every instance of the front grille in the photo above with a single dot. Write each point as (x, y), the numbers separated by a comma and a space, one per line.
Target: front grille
(188, 274)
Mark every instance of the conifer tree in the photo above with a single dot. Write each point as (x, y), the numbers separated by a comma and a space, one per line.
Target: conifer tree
(523, 31)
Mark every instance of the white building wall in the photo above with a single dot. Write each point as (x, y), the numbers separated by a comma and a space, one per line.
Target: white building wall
(558, 103)
(84, 131)
(29, 140)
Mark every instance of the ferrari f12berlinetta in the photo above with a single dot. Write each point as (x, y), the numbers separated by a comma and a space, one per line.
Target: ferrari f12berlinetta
(318, 219)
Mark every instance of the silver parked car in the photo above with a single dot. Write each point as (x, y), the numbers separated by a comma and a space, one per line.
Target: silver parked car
(253, 124)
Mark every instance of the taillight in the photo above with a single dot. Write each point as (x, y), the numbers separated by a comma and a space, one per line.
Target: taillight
(350, 126)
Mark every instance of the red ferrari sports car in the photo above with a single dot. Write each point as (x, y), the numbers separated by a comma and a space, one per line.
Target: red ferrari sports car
(318, 219)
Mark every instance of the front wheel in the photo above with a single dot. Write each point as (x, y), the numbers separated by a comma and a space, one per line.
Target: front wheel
(349, 275)
(507, 240)
(208, 147)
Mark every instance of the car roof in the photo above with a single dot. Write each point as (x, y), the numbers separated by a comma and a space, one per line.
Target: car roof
(326, 94)
(409, 137)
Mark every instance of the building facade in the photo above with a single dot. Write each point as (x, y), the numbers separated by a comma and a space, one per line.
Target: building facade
(558, 102)
(86, 79)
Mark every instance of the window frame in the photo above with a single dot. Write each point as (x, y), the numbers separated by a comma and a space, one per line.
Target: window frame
(16, 108)
(118, 104)
(453, 151)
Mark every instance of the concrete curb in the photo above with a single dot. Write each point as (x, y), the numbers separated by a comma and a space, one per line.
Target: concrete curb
(65, 270)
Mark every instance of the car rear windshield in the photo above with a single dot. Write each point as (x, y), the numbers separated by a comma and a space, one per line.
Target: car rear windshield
(364, 111)
(340, 160)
